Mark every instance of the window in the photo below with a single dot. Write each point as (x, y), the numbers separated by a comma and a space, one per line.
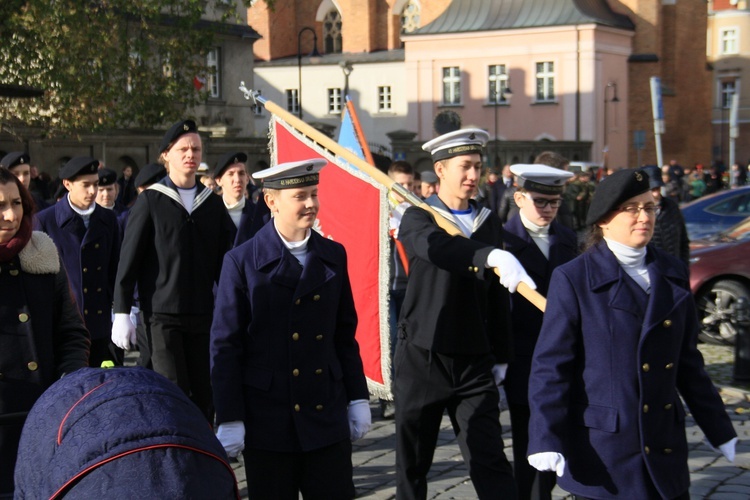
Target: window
(410, 17)
(452, 85)
(384, 98)
(292, 100)
(727, 88)
(334, 101)
(729, 38)
(213, 62)
(545, 81)
(498, 84)
(332, 31)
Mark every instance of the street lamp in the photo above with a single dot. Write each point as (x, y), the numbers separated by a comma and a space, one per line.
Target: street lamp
(502, 97)
(314, 53)
(347, 68)
(612, 85)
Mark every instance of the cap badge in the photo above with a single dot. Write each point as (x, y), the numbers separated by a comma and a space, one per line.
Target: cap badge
(472, 137)
(185, 127)
(638, 176)
(236, 160)
(309, 167)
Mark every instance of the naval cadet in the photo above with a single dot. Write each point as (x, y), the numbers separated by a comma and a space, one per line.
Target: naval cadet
(288, 381)
(540, 243)
(454, 328)
(615, 357)
(177, 234)
(230, 174)
(106, 195)
(88, 239)
(19, 163)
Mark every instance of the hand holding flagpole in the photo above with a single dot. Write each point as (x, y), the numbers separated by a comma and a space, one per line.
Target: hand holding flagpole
(524, 289)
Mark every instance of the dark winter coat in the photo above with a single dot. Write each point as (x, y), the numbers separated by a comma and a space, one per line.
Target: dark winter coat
(670, 233)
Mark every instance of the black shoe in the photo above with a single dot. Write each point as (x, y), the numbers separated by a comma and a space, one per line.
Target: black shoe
(387, 409)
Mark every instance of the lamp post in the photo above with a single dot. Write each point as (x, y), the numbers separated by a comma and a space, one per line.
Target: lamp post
(612, 85)
(347, 68)
(500, 97)
(314, 53)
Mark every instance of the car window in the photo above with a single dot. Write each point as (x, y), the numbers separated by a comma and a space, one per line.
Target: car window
(731, 205)
(743, 205)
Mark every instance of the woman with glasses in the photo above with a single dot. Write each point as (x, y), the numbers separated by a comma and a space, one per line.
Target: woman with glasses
(540, 243)
(616, 351)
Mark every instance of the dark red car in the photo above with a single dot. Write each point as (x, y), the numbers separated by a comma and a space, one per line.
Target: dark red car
(719, 275)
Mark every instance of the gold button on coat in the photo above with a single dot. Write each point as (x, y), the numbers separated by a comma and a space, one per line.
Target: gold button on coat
(96, 245)
(667, 323)
(647, 450)
(295, 336)
(14, 272)
(85, 270)
(318, 371)
(23, 317)
(295, 372)
(319, 407)
(296, 302)
(667, 450)
(318, 337)
(668, 406)
(645, 408)
(32, 366)
(296, 407)
(669, 366)
(316, 298)
(646, 367)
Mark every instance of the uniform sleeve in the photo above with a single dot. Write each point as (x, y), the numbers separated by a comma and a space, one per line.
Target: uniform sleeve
(423, 238)
(552, 368)
(696, 387)
(72, 341)
(114, 258)
(139, 234)
(347, 348)
(232, 315)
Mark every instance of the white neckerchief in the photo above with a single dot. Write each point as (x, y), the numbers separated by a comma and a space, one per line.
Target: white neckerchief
(539, 234)
(297, 248)
(188, 197)
(465, 220)
(235, 211)
(633, 261)
(85, 214)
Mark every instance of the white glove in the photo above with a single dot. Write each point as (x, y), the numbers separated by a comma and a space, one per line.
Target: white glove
(134, 311)
(498, 372)
(511, 271)
(231, 435)
(360, 419)
(727, 449)
(123, 331)
(548, 460)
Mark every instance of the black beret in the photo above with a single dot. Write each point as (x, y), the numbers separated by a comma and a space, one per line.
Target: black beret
(175, 131)
(14, 159)
(654, 176)
(226, 160)
(80, 165)
(150, 174)
(615, 189)
(107, 177)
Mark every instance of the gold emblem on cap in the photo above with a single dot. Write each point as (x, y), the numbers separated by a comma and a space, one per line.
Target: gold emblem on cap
(185, 127)
(638, 176)
(309, 167)
(236, 160)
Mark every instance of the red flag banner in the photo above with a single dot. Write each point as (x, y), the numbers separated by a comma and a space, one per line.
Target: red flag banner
(353, 211)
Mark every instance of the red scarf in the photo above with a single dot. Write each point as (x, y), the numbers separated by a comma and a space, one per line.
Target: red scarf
(9, 250)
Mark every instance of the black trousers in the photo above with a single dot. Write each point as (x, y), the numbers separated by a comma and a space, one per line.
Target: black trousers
(181, 354)
(323, 474)
(532, 484)
(426, 385)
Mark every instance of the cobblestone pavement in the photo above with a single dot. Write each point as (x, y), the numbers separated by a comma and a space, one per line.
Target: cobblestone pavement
(712, 476)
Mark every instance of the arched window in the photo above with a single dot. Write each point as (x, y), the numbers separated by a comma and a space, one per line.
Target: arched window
(410, 17)
(332, 31)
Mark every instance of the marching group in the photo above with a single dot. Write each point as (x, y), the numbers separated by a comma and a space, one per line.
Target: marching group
(250, 312)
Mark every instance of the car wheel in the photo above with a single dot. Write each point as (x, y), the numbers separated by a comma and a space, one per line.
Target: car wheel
(716, 311)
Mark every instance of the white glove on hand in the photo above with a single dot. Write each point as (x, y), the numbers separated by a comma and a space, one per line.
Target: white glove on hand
(727, 449)
(123, 331)
(360, 419)
(231, 435)
(511, 271)
(548, 460)
(498, 372)
(134, 311)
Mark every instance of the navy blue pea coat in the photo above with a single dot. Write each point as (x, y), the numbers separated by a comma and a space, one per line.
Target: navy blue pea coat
(90, 256)
(254, 216)
(526, 319)
(283, 354)
(606, 374)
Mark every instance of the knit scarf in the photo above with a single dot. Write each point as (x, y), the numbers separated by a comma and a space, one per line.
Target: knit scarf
(9, 250)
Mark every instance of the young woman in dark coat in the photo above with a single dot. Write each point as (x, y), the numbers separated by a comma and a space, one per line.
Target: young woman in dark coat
(42, 335)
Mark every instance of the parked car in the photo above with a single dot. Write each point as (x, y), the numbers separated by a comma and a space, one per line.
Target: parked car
(713, 213)
(719, 276)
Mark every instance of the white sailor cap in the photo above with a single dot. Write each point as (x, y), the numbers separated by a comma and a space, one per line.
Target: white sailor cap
(540, 178)
(292, 174)
(465, 141)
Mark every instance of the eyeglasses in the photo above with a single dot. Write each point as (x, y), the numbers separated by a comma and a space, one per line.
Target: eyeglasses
(635, 210)
(543, 202)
